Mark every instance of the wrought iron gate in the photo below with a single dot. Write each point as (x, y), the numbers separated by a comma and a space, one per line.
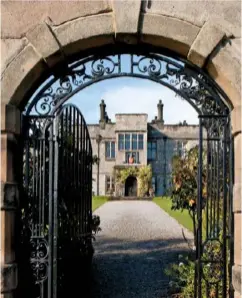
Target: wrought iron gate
(56, 209)
(214, 245)
(57, 164)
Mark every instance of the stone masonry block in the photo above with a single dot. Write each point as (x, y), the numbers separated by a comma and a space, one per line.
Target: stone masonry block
(237, 238)
(19, 17)
(236, 116)
(237, 197)
(9, 277)
(10, 119)
(237, 152)
(10, 158)
(126, 14)
(168, 32)
(206, 41)
(9, 196)
(224, 68)
(45, 44)
(226, 13)
(84, 33)
(9, 49)
(236, 278)
(21, 74)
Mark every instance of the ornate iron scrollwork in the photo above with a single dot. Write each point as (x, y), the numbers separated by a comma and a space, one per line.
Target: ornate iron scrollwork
(174, 74)
(39, 258)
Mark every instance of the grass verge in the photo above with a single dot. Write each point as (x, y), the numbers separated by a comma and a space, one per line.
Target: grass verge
(98, 201)
(182, 217)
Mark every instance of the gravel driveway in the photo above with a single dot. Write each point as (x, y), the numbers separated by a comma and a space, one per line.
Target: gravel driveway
(136, 243)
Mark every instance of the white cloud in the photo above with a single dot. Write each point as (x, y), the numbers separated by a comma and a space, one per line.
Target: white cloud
(128, 95)
(133, 99)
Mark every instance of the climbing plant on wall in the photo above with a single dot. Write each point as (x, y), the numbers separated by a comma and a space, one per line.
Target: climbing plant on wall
(143, 175)
(144, 179)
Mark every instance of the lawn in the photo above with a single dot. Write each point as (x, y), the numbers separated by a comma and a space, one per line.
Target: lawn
(98, 201)
(182, 217)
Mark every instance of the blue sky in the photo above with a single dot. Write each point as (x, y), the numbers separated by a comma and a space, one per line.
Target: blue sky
(131, 95)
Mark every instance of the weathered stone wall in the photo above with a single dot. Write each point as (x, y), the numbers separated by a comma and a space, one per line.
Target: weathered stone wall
(161, 167)
(36, 35)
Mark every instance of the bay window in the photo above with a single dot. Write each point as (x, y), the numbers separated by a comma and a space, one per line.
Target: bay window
(130, 141)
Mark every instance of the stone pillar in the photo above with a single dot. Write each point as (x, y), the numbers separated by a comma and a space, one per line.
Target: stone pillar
(10, 165)
(237, 200)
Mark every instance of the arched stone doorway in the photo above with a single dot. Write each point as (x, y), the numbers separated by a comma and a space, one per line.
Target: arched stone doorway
(131, 187)
(188, 82)
(30, 62)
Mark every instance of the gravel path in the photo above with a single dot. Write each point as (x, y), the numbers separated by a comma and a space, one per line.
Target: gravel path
(136, 243)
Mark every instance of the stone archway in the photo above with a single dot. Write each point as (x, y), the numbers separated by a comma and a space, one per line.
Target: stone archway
(131, 187)
(36, 48)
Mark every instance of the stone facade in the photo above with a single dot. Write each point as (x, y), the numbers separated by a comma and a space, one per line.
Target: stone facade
(37, 35)
(167, 141)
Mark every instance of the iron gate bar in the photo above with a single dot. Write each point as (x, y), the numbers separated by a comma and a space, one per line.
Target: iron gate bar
(199, 212)
(50, 267)
(224, 211)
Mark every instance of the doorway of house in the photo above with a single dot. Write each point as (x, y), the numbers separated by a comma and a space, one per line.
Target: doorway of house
(131, 187)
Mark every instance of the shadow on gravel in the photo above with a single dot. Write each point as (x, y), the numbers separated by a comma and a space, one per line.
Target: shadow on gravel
(130, 269)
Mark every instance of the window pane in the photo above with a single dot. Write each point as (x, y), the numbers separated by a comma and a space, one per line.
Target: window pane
(113, 150)
(107, 144)
(127, 141)
(141, 141)
(127, 156)
(134, 142)
(152, 150)
(121, 142)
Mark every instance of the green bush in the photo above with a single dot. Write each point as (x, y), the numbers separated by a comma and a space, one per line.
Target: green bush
(183, 274)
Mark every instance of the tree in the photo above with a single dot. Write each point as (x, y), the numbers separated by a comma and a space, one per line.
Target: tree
(185, 183)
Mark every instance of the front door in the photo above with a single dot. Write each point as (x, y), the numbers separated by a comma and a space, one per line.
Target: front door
(131, 187)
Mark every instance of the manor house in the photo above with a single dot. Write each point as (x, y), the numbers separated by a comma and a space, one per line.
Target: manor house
(131, 141)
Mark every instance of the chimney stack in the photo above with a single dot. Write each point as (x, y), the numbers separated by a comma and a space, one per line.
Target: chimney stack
(102, 111)
(160, 112)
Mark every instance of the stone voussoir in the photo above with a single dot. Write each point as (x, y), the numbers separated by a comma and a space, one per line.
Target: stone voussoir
(126, 18)
(206, 41)
(224, 68)
(45, 43)
(72, 35)
(21, 74)
(168, 32)
(10, 48)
